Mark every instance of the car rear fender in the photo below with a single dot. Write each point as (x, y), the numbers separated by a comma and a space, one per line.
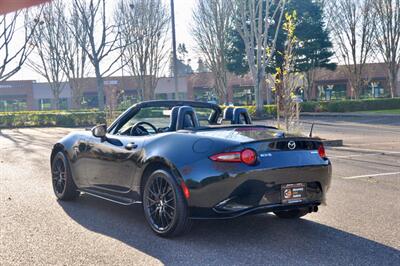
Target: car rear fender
(153, 163)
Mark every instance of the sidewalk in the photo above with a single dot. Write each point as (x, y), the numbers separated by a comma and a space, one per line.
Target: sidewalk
(350, 114)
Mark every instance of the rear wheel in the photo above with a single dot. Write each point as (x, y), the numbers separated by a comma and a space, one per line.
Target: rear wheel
(291, 214)
(164, 205)
(63, 185)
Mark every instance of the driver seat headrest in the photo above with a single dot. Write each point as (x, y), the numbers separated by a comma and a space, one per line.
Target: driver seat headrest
(187, 118)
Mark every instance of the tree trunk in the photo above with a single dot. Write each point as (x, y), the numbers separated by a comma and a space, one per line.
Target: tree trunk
(267, 90)
(278, 111)
(77, 97)
(100, 89)
(258, 93)
(392, 73)
(76, 93)
(226, 97)
(259, 103)
(310, 81)
(56, 100)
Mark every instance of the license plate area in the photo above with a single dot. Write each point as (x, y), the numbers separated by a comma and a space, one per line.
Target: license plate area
(293, 193)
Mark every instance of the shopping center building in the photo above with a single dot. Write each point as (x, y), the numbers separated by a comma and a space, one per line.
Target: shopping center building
(328, 85)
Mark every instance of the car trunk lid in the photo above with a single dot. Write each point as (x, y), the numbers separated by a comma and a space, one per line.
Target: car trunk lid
(273, 147)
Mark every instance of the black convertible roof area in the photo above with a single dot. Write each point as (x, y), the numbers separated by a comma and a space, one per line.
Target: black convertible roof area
(172, 103)
(163, 103)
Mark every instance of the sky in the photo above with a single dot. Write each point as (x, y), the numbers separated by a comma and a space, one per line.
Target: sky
(183, 13)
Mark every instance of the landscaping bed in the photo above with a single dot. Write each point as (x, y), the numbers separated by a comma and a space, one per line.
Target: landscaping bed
(82, 118)
(338, 106)
(51, 118)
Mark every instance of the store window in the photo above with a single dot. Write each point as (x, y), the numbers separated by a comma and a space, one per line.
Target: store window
(205, 95)
(12, 103)
(63, 104)
(182, 95)
(374, 90)
(47, 104)
(44, 104)
(90, 100)
(128, 98)
(161, 96)
(243, 96)
(332, 92)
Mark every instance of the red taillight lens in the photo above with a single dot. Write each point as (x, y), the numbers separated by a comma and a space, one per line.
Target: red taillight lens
(321, 151)
(247, 156)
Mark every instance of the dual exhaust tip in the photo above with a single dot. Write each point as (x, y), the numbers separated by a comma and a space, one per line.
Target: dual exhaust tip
(313, 209)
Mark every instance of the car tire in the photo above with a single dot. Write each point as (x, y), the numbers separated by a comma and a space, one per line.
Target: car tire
(63, 184)
(291, 214)
(164, 205)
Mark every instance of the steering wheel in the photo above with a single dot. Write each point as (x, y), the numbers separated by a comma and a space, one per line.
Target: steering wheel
(139, 130)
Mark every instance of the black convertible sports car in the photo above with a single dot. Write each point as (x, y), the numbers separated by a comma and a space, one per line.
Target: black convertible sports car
(189, 160)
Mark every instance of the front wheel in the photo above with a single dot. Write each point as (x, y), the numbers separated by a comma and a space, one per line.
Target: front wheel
(291, 214)
(63, 185)
(164, 205)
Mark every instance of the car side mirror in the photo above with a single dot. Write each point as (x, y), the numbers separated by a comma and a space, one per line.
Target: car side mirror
(99, 131)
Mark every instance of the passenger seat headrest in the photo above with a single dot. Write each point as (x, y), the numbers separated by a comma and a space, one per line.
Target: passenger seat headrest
(173, 118)
(228, 113)
(241, 116)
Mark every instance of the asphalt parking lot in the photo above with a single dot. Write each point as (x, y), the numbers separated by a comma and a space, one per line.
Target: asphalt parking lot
(359, 225)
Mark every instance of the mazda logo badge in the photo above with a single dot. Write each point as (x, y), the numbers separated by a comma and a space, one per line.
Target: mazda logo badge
(291, 145)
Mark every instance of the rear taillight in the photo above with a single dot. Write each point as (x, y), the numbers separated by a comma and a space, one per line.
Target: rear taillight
(247, 156)
(321, 152)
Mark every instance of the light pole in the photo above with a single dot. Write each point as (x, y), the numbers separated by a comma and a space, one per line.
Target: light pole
(174, 50)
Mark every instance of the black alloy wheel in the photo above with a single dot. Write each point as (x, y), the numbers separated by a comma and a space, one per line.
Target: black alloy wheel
(63, 184)
(59, 176)
(164, 205)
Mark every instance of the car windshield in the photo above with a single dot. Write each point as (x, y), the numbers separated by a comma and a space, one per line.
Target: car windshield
(160, 117)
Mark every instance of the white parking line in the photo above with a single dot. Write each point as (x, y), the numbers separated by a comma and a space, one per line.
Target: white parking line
(371, 175)
(362, 155)
(355, 149)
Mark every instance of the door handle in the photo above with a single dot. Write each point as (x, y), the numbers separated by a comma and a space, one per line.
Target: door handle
(131, 146)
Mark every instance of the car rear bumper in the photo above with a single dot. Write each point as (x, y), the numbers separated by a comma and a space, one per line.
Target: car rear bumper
(230, 194)
(201, 213)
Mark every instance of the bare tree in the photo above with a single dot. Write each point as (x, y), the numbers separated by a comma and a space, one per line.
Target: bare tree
(103, 40)
(74, 59)
(288, 77)
(12, 57)
(143, 25)
(253, 22)
(352, 25)
(211, 21)
(47, 38)
(388, 37)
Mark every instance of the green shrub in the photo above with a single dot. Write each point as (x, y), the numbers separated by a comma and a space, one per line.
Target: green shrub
(80, 118)
(42, 118)
(268, 109)
(351, 105)
(336, 106)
